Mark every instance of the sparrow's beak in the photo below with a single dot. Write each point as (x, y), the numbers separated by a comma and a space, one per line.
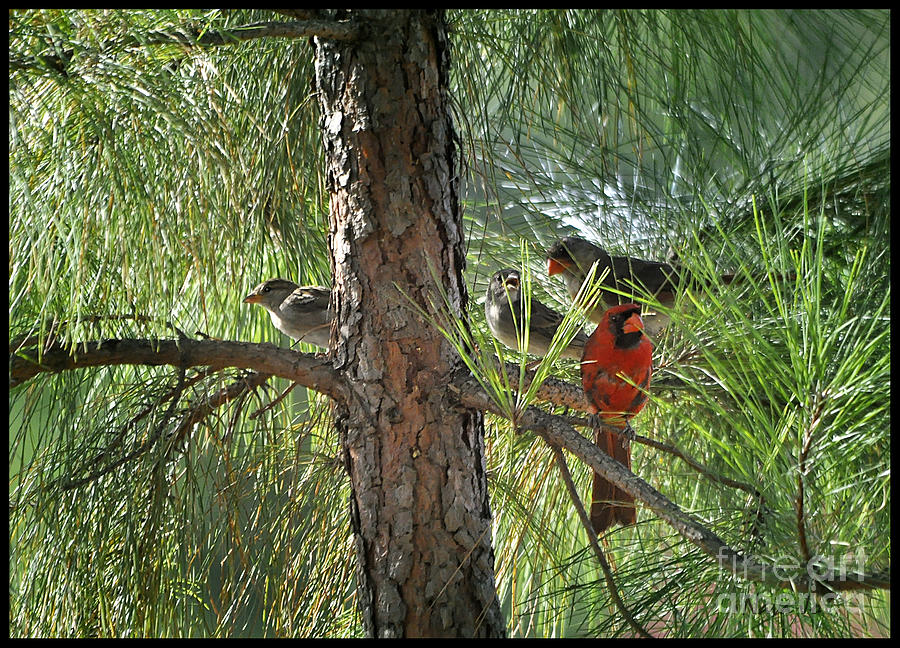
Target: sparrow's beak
(512, 282)
(555, 267)
(253, 298)
(633, 324)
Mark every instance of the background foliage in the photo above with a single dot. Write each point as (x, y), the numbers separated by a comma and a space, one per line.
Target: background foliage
(158, 183)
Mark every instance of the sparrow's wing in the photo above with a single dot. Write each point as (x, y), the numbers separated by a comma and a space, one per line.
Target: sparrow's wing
(544, 319)
(307, 299)
(304, 315)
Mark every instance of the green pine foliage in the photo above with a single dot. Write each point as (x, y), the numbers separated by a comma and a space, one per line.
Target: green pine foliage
(152, 184)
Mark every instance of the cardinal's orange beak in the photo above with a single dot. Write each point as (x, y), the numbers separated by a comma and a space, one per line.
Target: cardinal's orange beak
(555, 267)
(253, 298)
(633, 324)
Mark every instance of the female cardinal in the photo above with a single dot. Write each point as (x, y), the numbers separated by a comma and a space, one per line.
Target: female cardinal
(572, 257)
(504, 310)
(616, 350)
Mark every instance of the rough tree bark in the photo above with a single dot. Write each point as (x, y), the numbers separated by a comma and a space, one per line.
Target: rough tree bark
(419, 502)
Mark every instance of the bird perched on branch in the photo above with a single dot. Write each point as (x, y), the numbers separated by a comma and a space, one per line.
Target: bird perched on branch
(572, 257)
(300, 312)
(615, 374)
(504, 309)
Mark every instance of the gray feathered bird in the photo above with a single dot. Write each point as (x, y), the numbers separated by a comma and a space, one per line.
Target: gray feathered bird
(504, 297)
(572, 257)
(300, 312)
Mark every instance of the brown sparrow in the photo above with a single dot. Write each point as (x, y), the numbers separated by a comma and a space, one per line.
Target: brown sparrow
(504, 298)
(300, 312)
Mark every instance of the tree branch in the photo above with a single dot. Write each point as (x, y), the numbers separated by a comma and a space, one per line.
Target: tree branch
(555, 431)
(561, 393)
(199, 411)
(801, 473)
(156, 435)
(189, 37)
(686, 458)
(552, 390)
(308, 370)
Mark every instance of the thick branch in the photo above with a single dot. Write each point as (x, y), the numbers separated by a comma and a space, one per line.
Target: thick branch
(294, 29)
(561, 393)
(552, 390)
(686, 458)
(308, 370)
(328, 29)
(556, 431)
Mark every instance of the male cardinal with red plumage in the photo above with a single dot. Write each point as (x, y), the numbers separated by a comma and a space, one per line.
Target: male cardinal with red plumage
(617, 350)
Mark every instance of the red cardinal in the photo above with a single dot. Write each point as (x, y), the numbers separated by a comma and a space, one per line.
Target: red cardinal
(617, 349)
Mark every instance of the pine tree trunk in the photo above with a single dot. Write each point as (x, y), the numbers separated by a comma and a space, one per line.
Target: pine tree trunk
(419, 503)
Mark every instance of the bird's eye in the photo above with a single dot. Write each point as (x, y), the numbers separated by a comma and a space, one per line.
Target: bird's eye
(267, 288)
